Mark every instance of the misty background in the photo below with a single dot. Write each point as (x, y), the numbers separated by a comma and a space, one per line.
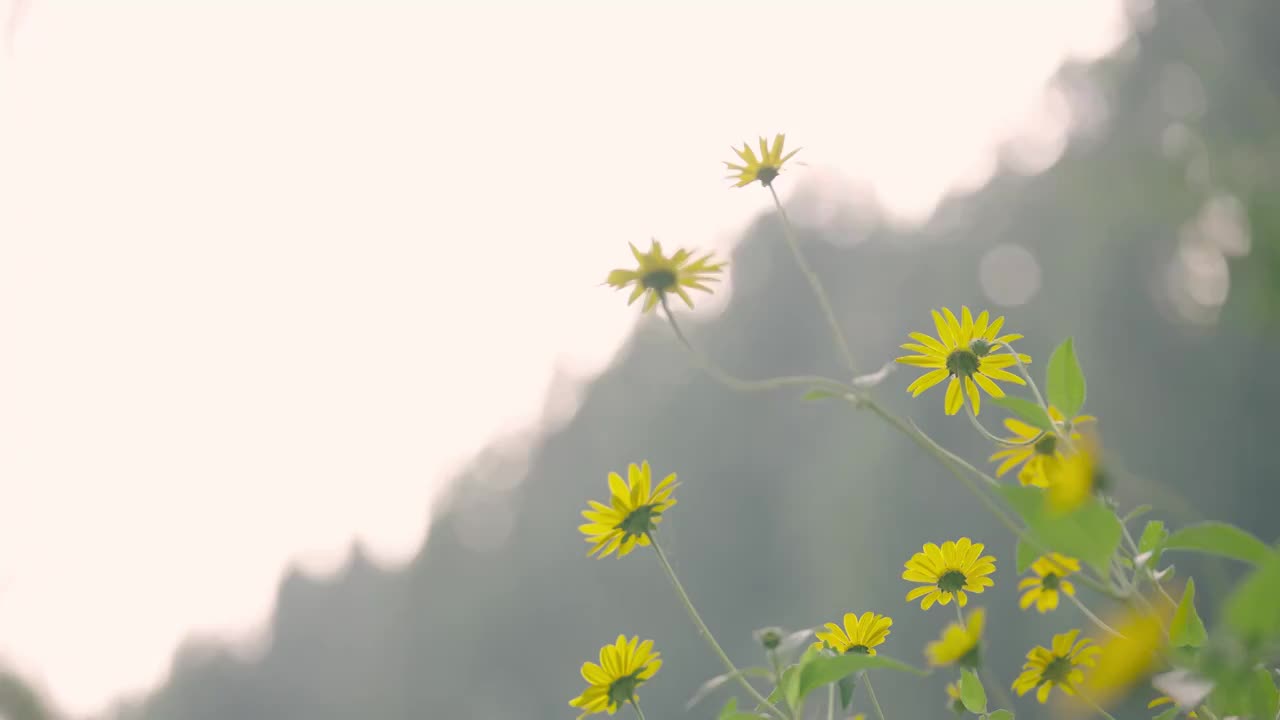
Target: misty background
(1143, 222)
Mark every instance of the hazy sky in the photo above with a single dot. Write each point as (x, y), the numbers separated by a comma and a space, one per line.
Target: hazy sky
(271, 271)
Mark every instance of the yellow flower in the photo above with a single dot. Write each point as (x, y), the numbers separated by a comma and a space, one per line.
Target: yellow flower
(765, 168)
(958, 644)
(624, 666)
(633, 512)
(1123, 661)
(948, 572)
(1051, 571)
(859, 634)
(966, 351)
(1033, 456)
(954, 703)
(658, 274)
(1072, 480)
(1166, 700)
(1060, 666)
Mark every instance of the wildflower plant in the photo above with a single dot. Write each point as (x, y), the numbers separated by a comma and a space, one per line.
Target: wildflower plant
(1071, 540)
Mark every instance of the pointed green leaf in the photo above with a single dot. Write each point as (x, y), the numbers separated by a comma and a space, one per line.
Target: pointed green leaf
(826, 669)
(1024, 554)
(1092, 532)
(972, 694)
(1153, 538)
(1251, 609)
(1187, 630)
(848, 684)
(1065, 380)
(1000, 715)
(1029, 412)
(1216, 538)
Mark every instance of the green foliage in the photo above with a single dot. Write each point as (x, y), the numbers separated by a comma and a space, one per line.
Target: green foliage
(972, 694)
(1029, 412)
(1024, 554)
(1092, 532)
(1065, 380)
(1217, 538)
(711, 685)
(1252, 611)
(1154, 536)
(730, 711)
(1000, 715)
(1168, 714)
(1251, 694)
(824, 669)
(1186, 629)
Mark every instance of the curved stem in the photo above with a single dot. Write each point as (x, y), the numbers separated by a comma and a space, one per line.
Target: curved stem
(1035, 390)
(1096, 620)
(973, 420)
(871, 693)
(740, 385)
(814, 283)
(1095, 706)
(706, 632)
(636, 704)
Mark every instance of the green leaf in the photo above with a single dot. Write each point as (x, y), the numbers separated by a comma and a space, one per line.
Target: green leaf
(816, 394)
(1024, 554)
(1000, 715)
(848, 684)
(1092, 532)
(730, 711)
(1263, 695)
(1169, 714)
(1251, 610)
(1030, 412)
(1153, 538)
(1065, 380)
(1187, 630)
(1218, 538)
(972, 694)
(1136, 513)
(826, 669)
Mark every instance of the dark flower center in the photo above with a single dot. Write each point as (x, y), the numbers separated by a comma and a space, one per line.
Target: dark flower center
(971, 659)
(962, 363)
(640, 520)
(952, 581)
(1056, 671)
(859, 649)
(623, 689)
(660, 280)
(766, 174)
(1050, 581)
(1047, 444)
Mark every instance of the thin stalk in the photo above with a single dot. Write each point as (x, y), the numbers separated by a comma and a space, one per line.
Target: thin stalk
(960, 617)
(831, 701)
(1096, 620)
(1097, 707)
(815, 284)
(738, 384)
(871, 693)
(636, 704)
(706, 632)
(973, 420)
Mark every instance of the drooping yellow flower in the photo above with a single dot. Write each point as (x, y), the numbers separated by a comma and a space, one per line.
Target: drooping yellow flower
(657, 274)
(948, 572)
(1073, 479)
(967, 351)
(1051, 571)
(1124, 661)
(624, 666)
(1034, 455)
(1166, 700)
(764, 168)
(1060, 666)
(959, 644)
(859, 634)
(634, 510)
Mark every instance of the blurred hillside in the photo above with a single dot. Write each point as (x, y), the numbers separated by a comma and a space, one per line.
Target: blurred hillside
(791, 512)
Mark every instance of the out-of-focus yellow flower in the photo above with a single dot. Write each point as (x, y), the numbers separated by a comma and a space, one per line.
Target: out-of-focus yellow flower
(954, 703)
(1060, 666)
(634, 510)
(657, 274)
(764, 168)
(948, 572)
(859, 634)
(1166, 700)
(966, 351)
(624, 666)
(1072, 480)
(1051, 571)
(959, 644)
(1123, 661)
(1033, 456)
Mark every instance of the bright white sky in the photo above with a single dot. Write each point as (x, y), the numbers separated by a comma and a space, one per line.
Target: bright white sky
(265, 266)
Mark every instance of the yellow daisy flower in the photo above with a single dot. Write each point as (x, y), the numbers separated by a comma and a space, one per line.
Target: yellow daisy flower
(958, 644)
(1060, 666)
(624, 666)
(1033, 455)
(859, 634)
(949, 571)
(1126, 660)
(954, 703)
(1051, 571)
(658, 274)
(1166, 700)
(1073, 479)
(966, 351)
(764, 168)
(633, 512)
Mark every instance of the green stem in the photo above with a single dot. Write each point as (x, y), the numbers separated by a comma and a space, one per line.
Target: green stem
(1096, 620)
(1002, 442)
(738, 384)
(959, 616)
(815, 284)
(831, 701)
(636, 704)
(871, 693)
(1096, 706)
(706, 632)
